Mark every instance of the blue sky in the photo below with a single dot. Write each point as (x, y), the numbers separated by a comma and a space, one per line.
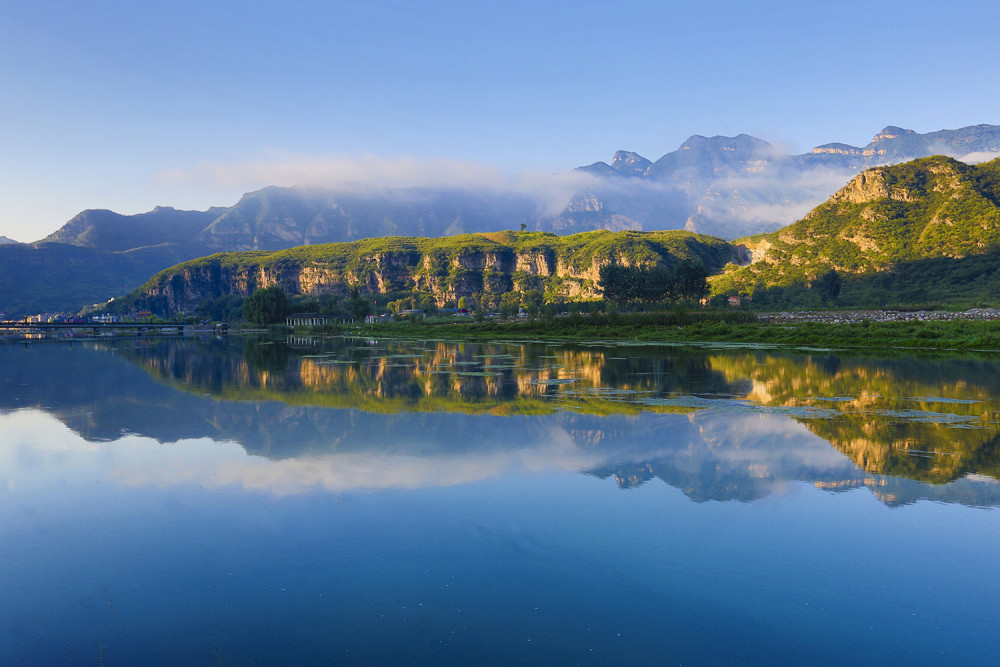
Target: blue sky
(129, 105)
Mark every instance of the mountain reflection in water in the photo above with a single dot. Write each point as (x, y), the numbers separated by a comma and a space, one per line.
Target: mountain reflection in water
(347, 414)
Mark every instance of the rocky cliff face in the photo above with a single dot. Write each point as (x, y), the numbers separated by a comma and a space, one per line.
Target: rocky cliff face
(469, 274)
(836, 149)
(447, 269)
(865, 187)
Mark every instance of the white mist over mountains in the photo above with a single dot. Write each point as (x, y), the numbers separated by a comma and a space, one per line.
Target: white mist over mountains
(722, 186)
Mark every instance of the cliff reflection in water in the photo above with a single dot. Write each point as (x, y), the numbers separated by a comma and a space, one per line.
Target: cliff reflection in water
(406, 376)
(717, 425)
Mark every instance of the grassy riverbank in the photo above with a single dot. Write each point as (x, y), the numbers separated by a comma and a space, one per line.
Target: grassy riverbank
(719, 327)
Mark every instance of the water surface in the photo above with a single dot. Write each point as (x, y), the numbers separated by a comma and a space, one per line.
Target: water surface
(242, 501)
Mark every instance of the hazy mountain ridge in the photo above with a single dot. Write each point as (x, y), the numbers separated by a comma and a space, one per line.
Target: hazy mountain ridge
(724, 186)
(108, 231)
(733, 186)
(100, 254)
(709, 156)
(48, 277)
(277, 218)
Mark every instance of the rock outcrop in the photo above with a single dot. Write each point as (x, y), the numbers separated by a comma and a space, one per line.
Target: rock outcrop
(447, 269)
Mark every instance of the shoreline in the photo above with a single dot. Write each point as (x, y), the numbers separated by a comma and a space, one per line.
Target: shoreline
(857, 316)
(975, 331)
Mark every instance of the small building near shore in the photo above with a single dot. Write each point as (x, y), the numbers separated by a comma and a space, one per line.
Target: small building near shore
(316, 319)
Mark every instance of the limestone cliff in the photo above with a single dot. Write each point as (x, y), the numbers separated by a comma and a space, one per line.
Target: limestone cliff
(446, 268)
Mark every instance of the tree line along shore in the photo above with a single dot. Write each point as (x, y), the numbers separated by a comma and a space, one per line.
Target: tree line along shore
(682, 322)
(898, 330)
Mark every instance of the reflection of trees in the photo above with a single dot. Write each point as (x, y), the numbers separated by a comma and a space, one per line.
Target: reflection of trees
(266, 356)
(438, 376)
(927, 452)
(101, 389)
(929, 420)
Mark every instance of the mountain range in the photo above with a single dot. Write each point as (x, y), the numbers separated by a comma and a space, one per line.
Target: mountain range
(723, 186)
(919, 232)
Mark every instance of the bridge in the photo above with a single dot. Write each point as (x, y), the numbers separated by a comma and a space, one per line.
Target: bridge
(107, 328)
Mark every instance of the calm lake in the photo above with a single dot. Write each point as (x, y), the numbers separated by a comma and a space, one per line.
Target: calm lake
(238, 501)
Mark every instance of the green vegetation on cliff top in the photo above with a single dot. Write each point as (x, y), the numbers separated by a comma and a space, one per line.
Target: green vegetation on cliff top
(449, 267)
(577, 250)
(925, 231)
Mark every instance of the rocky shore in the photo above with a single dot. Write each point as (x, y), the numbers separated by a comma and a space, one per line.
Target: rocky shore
(854, 316)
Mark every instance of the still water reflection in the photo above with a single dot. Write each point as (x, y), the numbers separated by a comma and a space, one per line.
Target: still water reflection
(234, 500)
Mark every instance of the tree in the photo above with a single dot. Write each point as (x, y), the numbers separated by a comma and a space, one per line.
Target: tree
(691, 279)
(657, 284)
(509, 303)
(225, 308)
(532, 301)
(479, 314)
(266, 306)
(329, 305)
(427, 304)
(357, 305)
(828, 286)
(619, 284)
(622, 284)
(304, 305)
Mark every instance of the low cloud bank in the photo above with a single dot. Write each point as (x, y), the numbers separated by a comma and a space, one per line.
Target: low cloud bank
(730, 205)
(370, 172)
(979, 156)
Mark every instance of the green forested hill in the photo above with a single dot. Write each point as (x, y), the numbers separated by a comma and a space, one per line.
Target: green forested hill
(926, 231)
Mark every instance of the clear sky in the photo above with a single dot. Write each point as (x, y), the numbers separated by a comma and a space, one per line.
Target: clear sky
(127, 105)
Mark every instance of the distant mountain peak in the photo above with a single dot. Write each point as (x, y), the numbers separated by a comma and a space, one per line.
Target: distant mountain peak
(891, 132)
(837, 148)
(4, 240)
(740, 143)
(630, 163)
